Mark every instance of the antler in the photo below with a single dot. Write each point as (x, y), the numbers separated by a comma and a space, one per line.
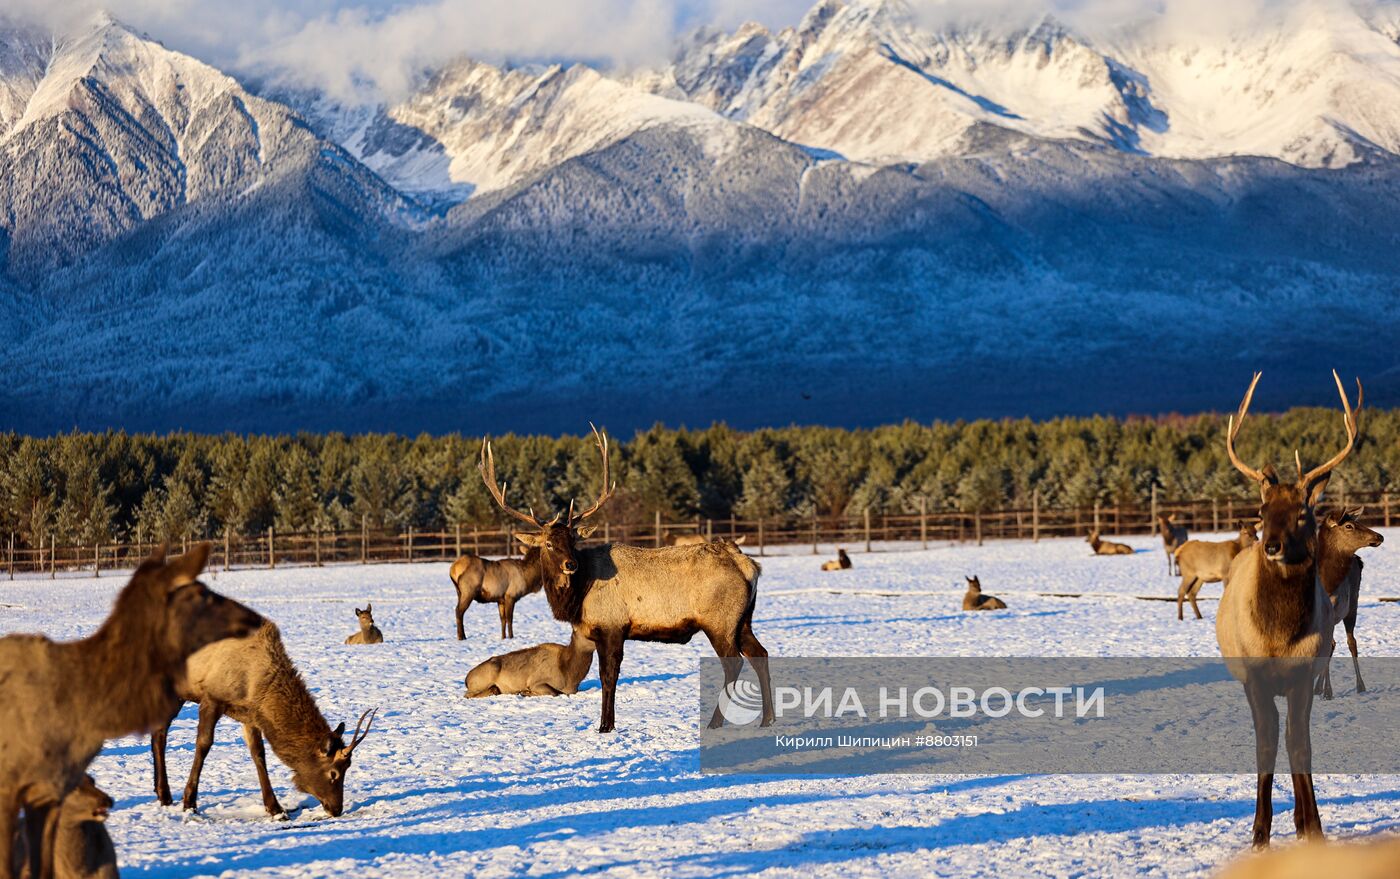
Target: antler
(608, 487)
(1234, 428)
(1349, 421)
(487, 466)
(366, 720)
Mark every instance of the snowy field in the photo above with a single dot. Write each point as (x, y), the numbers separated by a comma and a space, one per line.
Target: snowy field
(511, 786)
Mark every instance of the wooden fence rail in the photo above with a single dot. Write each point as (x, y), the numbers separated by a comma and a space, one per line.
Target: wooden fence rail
(370, 546)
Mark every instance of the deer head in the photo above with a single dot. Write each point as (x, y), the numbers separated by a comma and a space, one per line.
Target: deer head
(1287, 520)
(366, 616)
(324, 778)
(1346, 533)
(555, 540)
(189, 615)
(973, 584)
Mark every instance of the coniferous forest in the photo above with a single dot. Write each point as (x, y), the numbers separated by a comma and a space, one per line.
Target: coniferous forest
(86, 488)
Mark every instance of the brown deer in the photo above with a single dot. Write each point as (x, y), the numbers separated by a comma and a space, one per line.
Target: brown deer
(253, 681)
(82, 847)
(369, 633)
(1339, 536)
(1174, 536)
(1275, 621)
(842, 562)
(60, 701)
(975, 600)
(613, 593)
(1107, 547)
(501, 582)
(546, 670)
(1208, 561)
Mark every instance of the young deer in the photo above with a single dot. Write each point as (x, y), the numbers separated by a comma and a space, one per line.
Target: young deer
(82, 847)
(1339, 536)
(546, 670)
(1107, 547)
(253, 681)
(1207, 561)
(975, 600)
(840, 563)
(60, 701)
(369, 633)
(1174, 536)
(1275, 622)
(612, 594)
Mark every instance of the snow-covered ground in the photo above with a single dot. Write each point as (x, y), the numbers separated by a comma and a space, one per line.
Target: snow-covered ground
(511, 786)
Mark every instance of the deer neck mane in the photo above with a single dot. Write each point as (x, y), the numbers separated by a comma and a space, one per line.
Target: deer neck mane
(287, 713)
(118, 673)
(1283, 599)
(1333, 563)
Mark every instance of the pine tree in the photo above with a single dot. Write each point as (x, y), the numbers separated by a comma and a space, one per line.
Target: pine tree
(298, 507)
(767, 487)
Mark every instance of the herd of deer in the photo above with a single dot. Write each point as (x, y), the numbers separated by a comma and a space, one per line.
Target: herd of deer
(170, 640)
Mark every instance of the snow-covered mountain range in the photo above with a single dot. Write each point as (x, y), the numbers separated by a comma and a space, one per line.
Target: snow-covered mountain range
(865, 216)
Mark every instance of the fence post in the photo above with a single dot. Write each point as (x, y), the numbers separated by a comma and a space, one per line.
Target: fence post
(1153, 523)
(53, 561)
(709, 530)
(318, 547)
(760, 536)
(12, 547)
(408, 542)
(658, 527)
(1215, 514)
(459, 540)
(228, 556)
(364, 538)
(1035, 516)
(1385, 502)
(867, 529)
(607, 532)
(1098, 505)
(977, 525)
(923, 521)
(97, 560)
(815, 519)
(271, 548)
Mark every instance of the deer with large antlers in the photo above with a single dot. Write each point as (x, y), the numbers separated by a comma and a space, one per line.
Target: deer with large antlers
(612, 594)
(1275, 621)
(253, 681)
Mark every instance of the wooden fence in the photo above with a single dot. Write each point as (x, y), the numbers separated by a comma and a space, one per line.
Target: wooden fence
(272, 549)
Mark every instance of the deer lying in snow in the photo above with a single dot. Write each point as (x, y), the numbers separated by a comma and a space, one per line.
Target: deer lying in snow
(975, 600)
(546, 670)
(1107, 547)
(1173, 537)
(369, 633)
(253, 681)
(612, 594)
(1274, 626)
(60, 701)
(1207, 561)
(840, 563)
(1339, 536)
(82, 847)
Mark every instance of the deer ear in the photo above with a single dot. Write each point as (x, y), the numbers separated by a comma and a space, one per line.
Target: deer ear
(739, 541)
(369, 608)
(1317, 489)
(337, 734)
(585, 531)
(191, 564)
(358, 612)
(531, 539)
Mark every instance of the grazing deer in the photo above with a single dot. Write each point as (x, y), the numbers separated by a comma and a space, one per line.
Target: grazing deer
(1107, 547)
(60, 701)
(1208, 561)
(975, 600)
(613, 593)
(1339, 568)
(840, 563)
(253, 681)
(1275, 621)
(501, 582)
(369, 633)
(1174, 536)
(546, 670)
(82, 847)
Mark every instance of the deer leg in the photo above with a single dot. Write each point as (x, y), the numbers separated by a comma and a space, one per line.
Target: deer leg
(209, 714)
(1350, 622)
(1306, 818)
(159, 737)
(758, 658)
(505, 609)
(1181, 593)
(41, 830)
(253, 736)
(726, 646)
(1265, 714)
(609, 664)
(1324, 680)
(463, 602)
(11, 846)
